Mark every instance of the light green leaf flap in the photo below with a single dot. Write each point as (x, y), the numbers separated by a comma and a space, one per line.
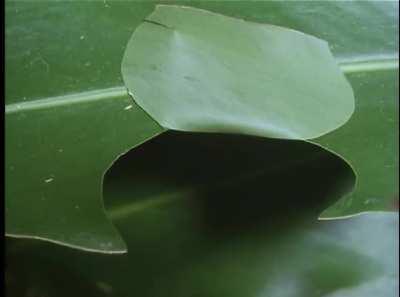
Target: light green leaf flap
(194, 70)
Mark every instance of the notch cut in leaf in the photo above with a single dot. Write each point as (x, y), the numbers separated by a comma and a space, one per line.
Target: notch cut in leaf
(247, 178)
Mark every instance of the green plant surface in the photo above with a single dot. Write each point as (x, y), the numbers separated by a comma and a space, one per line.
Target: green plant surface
(73, 100)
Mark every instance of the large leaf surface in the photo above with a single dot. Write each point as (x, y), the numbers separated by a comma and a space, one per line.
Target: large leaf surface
(84, 66)
(180, 245)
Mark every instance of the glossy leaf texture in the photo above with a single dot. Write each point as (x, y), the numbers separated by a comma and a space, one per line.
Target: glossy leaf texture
(95, 128)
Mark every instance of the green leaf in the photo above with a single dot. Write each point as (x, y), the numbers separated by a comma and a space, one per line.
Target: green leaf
(184, 68)
(363, 52)
(180, 246)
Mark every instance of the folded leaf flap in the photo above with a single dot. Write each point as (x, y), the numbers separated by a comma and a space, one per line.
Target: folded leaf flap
(193, 70)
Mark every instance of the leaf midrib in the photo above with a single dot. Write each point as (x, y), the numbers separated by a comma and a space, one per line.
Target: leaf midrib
(353, 65)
